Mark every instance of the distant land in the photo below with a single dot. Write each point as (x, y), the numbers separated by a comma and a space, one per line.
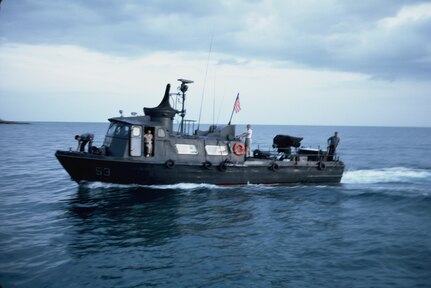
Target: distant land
(12, 122)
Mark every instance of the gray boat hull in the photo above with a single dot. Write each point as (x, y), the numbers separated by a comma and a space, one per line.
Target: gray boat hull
(98, 168)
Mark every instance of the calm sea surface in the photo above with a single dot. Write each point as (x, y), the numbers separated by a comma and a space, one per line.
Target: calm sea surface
(372, 230)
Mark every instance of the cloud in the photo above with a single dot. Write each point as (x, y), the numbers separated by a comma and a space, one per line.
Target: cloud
(407, 15)
(69, 83)
(304, 62)
(387, 40)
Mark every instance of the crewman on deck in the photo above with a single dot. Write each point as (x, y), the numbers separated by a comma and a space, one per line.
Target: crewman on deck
(332, 145)
(83, 139)
(247, 134)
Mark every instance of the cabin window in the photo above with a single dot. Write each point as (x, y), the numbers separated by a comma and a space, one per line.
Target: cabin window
(118, 130)
(136, 141)
(136, 131)
(117, 140)
(161, 133)
(187, 149)
(111, 130)
(216, 150)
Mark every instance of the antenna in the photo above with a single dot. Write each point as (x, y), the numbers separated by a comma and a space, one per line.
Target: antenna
(205, 80)
(214, 97)
(183, 88)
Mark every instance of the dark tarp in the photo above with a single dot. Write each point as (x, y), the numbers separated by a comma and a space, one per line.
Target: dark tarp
(286, 141)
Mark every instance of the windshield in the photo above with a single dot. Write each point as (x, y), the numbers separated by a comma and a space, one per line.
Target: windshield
(118, 130)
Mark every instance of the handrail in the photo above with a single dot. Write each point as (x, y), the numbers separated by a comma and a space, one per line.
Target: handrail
(321, 155)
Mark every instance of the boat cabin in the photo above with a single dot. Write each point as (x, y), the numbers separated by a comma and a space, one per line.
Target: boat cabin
(125, 138)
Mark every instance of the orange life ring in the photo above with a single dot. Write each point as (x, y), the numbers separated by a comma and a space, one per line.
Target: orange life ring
(239, 149)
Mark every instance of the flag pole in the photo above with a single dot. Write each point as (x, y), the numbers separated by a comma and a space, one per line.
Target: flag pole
(231, 116)
(233, 109)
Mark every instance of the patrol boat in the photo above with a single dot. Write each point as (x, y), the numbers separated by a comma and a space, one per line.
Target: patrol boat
(215, 156)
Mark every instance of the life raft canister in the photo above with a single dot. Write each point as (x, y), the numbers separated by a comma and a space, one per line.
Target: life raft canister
(239, 149)
(321, 165)
(207, 164)
(222, 166)
(170, 164)
(273, 167)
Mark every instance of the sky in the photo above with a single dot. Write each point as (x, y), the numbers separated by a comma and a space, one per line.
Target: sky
(308, 62)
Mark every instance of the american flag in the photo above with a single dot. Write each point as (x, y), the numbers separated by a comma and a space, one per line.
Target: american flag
(237, 105)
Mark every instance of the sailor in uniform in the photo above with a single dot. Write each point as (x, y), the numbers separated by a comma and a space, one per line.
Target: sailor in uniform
(247, 134)
(83, 139)
(148, 140)
(332, 145)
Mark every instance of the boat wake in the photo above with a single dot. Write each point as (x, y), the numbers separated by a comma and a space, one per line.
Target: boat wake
(385, 175)
(364, 176)
(179, 186)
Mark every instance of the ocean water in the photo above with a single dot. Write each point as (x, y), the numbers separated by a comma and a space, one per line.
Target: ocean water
(372, 230)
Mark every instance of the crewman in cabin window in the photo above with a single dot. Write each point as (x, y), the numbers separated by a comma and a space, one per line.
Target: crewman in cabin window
(148, 141)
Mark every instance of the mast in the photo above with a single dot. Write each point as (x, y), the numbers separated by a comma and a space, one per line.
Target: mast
(183, 88)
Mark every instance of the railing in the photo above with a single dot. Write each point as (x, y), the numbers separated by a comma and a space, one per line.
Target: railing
(188, 127)
(293, 154)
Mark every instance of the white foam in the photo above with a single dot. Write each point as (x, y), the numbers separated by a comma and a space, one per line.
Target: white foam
(384, 175)
(184, 186)
(96, 185)
(179, 186)
(365, 176)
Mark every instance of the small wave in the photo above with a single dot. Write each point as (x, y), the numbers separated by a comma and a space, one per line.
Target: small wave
(384, 175)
